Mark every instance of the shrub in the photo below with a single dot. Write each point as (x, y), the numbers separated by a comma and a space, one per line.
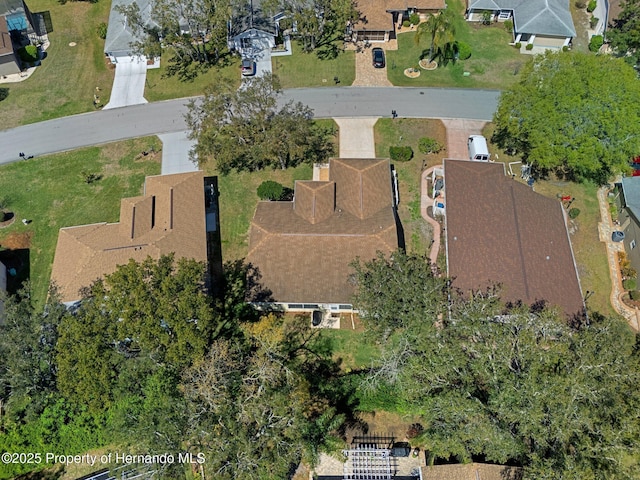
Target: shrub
(591, 6)
(270, 190)
(518, 45)
(414, 430)
(593, 21)
(406, 24)
(634, 295)
(400, 154)
(101, 30)
(565, 48)
(595, 43)
(486, 17)
(429, 145)
(414, 19)
(630, 284)
(28, 54)
(508, 25)
(463, 50)
(574, 212)
(4, 93)
(529, 46)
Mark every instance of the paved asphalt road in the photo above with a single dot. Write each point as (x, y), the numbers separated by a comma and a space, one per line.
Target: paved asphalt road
(105, 126)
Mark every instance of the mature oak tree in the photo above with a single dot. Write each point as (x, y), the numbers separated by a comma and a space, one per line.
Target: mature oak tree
(574, 113)
(246, 128)
(195, 31)
(157, 310)
(507, 384)
(624, 34)
(254, 408)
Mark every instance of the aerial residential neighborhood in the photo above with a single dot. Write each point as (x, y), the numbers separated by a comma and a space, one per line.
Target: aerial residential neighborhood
(339, 240)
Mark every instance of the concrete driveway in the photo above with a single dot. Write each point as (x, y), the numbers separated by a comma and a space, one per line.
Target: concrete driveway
(175, 153)
(458, 132)
(356, 137)
(128, 84)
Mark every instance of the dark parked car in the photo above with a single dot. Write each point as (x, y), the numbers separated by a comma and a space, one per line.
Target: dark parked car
(378, 57)
(248, 67)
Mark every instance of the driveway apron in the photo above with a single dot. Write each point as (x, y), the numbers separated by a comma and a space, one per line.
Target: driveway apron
(128, 84)
(175, 153)
(356, 137)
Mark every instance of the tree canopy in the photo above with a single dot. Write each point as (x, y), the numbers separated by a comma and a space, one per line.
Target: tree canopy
(624, 34)
(318, 22)
(506, 385)
(195, 31)
(573, 113)
(248, 129)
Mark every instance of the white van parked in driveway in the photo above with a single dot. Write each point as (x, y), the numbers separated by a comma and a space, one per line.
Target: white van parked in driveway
(478, 149)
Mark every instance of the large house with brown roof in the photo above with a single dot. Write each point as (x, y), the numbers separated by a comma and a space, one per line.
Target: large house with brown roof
(379, 18)
(176, 214)
(499, 231)
(303, 249)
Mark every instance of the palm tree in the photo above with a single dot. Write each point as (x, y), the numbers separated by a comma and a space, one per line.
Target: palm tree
(441, 29)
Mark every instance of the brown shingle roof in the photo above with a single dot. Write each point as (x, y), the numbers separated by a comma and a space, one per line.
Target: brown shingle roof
(472, 471)
(305, 262)
(169, 218)
(501, 231)
(314, 201)
(375, 14)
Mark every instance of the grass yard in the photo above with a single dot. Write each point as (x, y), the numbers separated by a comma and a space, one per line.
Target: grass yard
(160, 87)
(493, 63)
(52, 192)
(407, 132)
(350, 349)
(308, 70)
(67, 80)
(590, 254)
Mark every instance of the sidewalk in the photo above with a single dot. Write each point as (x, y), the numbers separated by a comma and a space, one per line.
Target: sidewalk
(605, 227)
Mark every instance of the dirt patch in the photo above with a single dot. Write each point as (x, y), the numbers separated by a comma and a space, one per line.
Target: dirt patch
(17, 241)
(384, 423)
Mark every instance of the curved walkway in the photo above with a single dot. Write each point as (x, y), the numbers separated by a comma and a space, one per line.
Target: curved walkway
(605, 227)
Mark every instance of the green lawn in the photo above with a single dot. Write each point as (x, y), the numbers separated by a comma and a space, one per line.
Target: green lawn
(67, 80)
(161, 87)
(52, 192)
(350, 348)
(309, 70)
(407, 132)
(493, 63)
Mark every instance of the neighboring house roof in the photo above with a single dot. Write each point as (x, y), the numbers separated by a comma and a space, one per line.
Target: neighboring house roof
(119, 34)
(249, 16)
(472, 471)
(303, 249)
(8, 64)
(375, 14)
(615, 9)
(535, 17)
(11, 6)
(168, 218)
(501, 231)
(631, 191)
